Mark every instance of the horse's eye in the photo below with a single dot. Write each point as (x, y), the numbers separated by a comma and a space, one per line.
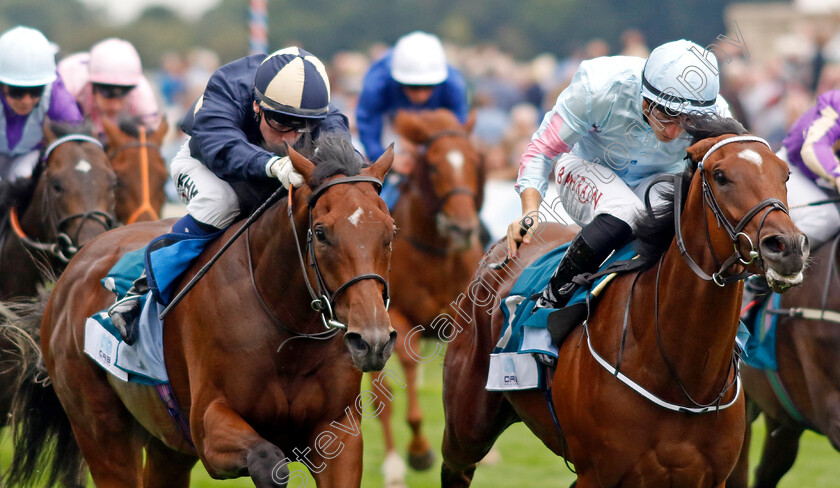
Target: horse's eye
(788, 177)
(320, 234)
(57, 187)
(720, 178)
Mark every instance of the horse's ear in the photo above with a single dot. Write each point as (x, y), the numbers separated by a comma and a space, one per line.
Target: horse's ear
(158, 135)
(302, 165)
(698, 150)
(112, 132)
(49, 135)
(408, 125)
(382, 165)
(471, 121)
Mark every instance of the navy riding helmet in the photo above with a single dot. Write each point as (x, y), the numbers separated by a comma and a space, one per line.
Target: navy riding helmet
(294, 83)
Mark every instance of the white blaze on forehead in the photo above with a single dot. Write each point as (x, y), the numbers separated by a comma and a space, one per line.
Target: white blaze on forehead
(354, 219)
(751, 156)
(83, 166)
(456, 159)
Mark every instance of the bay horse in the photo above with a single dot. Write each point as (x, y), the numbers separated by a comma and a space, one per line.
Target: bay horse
(808, 377)
(436, 249)
(635, 414)
(71, 203)
(260, 377)
(141, 172)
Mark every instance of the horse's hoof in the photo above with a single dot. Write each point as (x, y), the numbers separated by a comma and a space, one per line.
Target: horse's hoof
(394, 470)
(421, 462)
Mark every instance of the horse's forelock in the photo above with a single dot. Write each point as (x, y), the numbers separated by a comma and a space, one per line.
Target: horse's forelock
(334, 155)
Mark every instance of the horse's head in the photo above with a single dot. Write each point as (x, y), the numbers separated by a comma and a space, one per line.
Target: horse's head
(448, 170)
(743, 178)
(350, 236)
(74, 194)
(141, 173)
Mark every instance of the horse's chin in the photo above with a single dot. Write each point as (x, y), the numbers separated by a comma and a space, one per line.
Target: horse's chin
(780, 283)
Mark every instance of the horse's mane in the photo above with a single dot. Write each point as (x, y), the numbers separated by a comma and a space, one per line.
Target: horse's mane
(130, 125)
(655, 229)
(334, 155)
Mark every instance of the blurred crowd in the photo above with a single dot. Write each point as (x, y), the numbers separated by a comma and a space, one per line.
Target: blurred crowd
(510, 96)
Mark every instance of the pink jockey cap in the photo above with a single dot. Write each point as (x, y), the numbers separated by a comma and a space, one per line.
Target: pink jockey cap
(115, 62)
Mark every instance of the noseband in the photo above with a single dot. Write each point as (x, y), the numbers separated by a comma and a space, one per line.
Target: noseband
(323, 301)
(64, 247)
(734, 232)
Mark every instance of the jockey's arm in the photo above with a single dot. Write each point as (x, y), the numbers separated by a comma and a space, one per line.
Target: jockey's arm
(370, 112)
(818, 148)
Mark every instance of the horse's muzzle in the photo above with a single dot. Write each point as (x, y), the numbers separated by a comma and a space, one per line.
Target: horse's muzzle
(371, 353)
(784, 258)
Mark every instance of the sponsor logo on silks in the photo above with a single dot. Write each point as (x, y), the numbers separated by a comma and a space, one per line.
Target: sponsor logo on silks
(186, 188)
(586, 189)
(105, 349)
(510, 372)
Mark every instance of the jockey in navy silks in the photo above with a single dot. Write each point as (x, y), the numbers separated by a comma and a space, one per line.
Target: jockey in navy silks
(413, 76)
(612, 131)
(238, 130)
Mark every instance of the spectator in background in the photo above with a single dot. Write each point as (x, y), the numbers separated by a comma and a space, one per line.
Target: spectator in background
(31, 92)
(413, 76)
(108, 82)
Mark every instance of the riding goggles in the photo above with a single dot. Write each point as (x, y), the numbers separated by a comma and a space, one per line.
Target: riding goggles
(112, 91)
(285, 123)
(18, 92)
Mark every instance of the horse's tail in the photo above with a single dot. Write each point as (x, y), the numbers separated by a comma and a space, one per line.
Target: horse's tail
(42, 433)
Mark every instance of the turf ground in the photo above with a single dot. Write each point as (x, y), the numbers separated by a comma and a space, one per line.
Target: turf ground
(524, 460)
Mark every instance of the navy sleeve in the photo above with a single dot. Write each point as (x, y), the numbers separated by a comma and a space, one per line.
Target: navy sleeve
(456, 94)
(370, 111)
(219, 137)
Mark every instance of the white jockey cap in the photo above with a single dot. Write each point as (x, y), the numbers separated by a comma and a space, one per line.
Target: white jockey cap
(115, 62)
(26, 58)
(682, 77)
(419, 59)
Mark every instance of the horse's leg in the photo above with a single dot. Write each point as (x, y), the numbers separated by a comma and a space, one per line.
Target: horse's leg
(780, 448)
(166, 468)
(336, 461)
(229, 447)
(741, 473)
(420, 454)
(393, 467)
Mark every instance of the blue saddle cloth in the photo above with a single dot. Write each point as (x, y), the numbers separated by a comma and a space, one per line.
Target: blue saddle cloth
(761, 346)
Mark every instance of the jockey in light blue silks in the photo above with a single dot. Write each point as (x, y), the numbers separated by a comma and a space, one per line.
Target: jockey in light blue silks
(238, 129)
(31, 92)
(611, 132)
(412, 76)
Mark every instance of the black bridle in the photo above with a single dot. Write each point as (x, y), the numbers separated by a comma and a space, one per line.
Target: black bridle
(735, 232)
(323, 301)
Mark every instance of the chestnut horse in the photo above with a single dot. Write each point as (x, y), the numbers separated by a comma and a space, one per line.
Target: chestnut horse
(141, 172)
(436, 249)
(72, 202)
(807, 347)
(256, 387)
(660, 417)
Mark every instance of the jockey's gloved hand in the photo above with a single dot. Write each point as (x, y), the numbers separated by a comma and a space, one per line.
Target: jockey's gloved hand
(282, 169)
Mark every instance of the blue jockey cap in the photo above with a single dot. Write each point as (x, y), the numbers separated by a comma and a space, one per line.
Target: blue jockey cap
(293, 82)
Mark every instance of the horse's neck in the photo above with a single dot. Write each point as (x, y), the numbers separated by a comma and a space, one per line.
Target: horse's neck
(276, 269)
(697, 319)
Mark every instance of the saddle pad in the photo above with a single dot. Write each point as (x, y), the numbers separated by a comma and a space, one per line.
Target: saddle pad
(142, 362)
(513, 365)
(760, 347)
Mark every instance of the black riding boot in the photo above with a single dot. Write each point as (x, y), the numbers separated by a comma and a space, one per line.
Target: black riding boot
(756, 291)
(125, 314)
(586, 252)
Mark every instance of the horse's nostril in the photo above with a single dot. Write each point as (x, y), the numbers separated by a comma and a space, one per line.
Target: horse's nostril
(355, 341)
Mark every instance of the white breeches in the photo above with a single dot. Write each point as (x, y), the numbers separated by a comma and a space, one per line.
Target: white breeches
(209, 199)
